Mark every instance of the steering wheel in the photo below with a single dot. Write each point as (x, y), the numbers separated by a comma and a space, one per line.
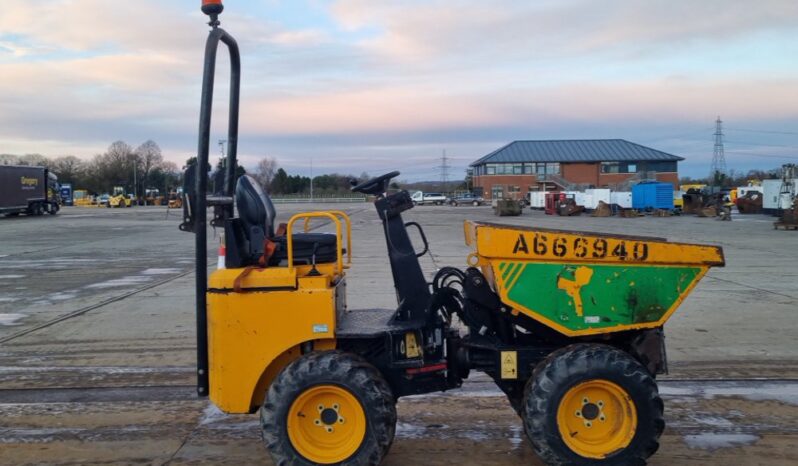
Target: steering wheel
(375, 186)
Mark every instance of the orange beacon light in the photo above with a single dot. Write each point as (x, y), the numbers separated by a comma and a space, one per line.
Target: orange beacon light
(212, 7)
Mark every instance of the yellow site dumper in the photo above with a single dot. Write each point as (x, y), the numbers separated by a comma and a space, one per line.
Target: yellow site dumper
(569, 325)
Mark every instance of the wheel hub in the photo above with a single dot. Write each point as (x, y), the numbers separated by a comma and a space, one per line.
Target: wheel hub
(590, 411)
(318, 424)
(329, 416)
(597, 418)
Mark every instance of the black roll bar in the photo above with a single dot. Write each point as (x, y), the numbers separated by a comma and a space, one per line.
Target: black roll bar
(216, 35)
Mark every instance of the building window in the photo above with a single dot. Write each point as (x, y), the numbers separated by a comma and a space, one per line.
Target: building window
(624, 167)
(543, 169)
(496, 192)
(660, 167)
(540, 169)
(513, 189)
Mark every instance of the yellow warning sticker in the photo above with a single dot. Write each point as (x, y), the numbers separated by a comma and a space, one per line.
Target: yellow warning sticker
(413, 350)
(509, 360)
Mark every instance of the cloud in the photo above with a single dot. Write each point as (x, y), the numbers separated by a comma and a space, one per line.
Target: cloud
(376, 82)
(421, 29)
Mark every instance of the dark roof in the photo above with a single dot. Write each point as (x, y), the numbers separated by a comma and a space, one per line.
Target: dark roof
(575, 150)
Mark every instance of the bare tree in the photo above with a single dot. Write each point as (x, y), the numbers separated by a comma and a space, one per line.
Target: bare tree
(265, 171)
(113, 168)
(69, 169)
(33, 160)
(149, 158)
(9, 159)
(118, 153)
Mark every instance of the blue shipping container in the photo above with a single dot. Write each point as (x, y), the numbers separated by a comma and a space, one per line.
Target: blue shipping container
(652, 196)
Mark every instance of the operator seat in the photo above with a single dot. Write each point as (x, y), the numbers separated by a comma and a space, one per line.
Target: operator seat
(255, 224)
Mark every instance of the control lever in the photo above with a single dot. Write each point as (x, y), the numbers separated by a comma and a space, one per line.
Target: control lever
(313, 271)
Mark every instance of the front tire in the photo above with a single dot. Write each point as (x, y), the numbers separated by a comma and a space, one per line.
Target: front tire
(328, 408)
(591, 404)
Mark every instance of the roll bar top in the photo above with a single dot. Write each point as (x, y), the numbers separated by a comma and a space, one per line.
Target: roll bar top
(212, 8)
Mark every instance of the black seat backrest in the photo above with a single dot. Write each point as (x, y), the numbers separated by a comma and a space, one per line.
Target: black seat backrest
(256, 213)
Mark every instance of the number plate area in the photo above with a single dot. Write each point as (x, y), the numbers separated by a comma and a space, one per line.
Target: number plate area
(584, 247)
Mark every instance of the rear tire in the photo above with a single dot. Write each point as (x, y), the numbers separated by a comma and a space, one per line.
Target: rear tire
(597, 391)
(328, 408)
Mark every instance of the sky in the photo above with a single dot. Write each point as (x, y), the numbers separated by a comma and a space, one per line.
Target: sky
(350, 86)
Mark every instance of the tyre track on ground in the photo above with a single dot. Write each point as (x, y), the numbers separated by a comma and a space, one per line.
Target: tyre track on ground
(105, 302)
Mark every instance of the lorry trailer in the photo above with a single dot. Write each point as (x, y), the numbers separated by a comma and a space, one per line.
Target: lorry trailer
(28, 190)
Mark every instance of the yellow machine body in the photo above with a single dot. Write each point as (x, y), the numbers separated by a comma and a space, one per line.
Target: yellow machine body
(255, 332)
(119, 201)
(588, 283)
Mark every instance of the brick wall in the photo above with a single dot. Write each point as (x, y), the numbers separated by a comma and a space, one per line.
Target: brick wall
(669, 177)
(583, 173)
(610, 179)
(487, 182)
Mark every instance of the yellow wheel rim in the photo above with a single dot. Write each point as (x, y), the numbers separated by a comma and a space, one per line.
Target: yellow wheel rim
(597, 418)
(326, 424)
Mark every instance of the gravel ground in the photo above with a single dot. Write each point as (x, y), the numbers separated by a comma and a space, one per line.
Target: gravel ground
(97, 345)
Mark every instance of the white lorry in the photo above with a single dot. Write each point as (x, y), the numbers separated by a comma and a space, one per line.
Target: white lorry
(421, 198)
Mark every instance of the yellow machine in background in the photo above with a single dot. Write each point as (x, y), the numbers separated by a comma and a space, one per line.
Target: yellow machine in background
(678, 200)
(152, 196)
(81, 198)
(119, 198)
(175, 199)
